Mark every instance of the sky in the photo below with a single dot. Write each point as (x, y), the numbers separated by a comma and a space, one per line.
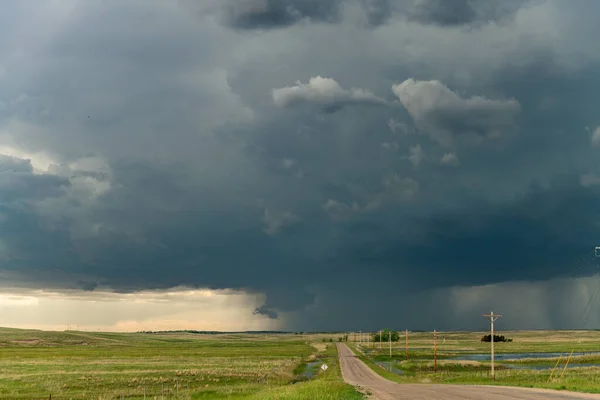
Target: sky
(299, 164)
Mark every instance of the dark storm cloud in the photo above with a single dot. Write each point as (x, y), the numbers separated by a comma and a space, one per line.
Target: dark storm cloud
(261, 14)
(539, 235)
(265, 311)
(463, 12)
(186, 155)
(266, 14)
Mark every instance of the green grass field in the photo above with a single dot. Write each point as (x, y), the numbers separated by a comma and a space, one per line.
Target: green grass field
(84, 365)
(102, 366)
(420, 367)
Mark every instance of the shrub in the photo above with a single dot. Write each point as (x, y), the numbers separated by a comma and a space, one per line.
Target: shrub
(497, 338)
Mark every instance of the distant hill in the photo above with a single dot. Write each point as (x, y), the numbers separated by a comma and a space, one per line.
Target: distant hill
(234, 332)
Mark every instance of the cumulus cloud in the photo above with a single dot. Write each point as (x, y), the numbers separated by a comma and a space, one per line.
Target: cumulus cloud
(325, 93)
(589, 179)
(445, 115)
(39, 161)
(394, 191)
(596, 137)
(275, 221)
(416, 155)
(398, 187)
(449, 159)
(398, 126)
(339, 210)
(14, 164)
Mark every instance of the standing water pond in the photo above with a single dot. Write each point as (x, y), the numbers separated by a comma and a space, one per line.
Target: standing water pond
(518, 356)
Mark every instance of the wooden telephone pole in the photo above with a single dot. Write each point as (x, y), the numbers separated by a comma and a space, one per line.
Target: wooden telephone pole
(380, 339)
(434, 351)
(406, 348)
(493, 317)
(390, 343)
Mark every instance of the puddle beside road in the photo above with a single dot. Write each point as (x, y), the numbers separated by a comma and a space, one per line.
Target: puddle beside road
(311, 369)
(517, 356)
(388, 366)
(548, 367)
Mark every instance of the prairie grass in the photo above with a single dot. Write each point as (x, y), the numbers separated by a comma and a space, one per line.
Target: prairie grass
(84, 365)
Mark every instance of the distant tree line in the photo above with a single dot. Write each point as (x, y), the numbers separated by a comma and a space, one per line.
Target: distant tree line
(385, 336)
(237, 332)
(218, 332)
(340, 339)
(497, 338)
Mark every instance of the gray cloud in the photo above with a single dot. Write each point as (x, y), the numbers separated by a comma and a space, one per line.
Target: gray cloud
(450, 159)
(14, 164)
(325, 93)
(596, 137)
(277, 220)
(443, 114)
(153, 160)
(16, 187)
(416, 155)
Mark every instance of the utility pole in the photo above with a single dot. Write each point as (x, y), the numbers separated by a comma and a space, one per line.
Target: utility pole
(406, 348)
(493, 317)
(434, 351)
(390, 343)
(380, 339)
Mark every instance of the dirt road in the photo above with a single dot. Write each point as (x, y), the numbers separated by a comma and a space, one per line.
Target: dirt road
(357, 373)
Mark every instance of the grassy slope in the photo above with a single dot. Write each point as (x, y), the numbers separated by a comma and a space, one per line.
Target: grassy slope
(327, 386)
(420, 367)
(84, 365)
